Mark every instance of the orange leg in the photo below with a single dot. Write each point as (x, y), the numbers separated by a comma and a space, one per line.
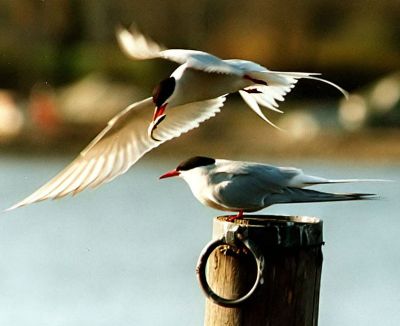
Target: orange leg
(239, 215)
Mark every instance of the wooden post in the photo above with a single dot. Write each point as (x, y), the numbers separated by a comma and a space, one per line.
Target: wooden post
(292, 260)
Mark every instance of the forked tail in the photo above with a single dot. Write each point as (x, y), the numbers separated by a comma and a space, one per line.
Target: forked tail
(273, 86)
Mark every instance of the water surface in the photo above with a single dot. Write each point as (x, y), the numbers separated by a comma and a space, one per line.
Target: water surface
(125, 254)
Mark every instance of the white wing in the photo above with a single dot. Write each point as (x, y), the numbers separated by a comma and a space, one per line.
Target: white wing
(122, 143)
(138, 47)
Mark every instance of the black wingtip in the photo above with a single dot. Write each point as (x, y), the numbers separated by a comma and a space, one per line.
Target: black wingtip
(362, 196)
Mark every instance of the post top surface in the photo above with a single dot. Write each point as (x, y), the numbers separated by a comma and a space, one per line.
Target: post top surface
(276, 230)
(268, 219)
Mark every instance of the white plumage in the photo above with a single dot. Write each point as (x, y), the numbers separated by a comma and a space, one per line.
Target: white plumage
(256, 84)
(247, 187)
(123, 142)
(194, 93)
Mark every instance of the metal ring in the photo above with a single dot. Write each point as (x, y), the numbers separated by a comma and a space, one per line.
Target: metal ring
(201, 272)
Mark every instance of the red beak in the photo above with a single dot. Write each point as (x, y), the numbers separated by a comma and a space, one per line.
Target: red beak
(159, 111)
(169, 174)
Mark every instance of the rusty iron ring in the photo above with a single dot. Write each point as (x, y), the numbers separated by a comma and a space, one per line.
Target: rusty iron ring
(201, 271)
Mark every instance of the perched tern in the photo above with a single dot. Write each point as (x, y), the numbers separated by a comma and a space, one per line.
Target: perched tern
(202, 76)
(237, 186)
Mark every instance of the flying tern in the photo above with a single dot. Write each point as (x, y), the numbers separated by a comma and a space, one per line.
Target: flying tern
(120, 145)
(202, 76)
(240, 187)
(194, 92)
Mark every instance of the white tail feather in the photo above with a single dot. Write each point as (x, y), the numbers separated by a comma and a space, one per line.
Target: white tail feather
(290, 78)
(252, 103)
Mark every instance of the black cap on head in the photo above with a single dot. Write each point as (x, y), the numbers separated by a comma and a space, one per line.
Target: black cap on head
(163, 90)
(195, 162)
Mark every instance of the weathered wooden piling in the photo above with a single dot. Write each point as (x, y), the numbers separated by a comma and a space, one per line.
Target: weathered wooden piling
(284, 252)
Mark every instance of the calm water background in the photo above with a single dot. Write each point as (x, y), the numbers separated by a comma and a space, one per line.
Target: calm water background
(125, 254)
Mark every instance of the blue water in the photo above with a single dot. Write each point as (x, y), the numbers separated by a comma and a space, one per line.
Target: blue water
(125, 254)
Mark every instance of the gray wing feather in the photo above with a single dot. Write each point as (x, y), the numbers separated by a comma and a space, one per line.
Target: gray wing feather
(247, 186)
(299, 195)
(252, 186)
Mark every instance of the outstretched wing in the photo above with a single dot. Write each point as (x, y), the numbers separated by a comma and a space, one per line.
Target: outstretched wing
(138, 47)
(120, 145)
